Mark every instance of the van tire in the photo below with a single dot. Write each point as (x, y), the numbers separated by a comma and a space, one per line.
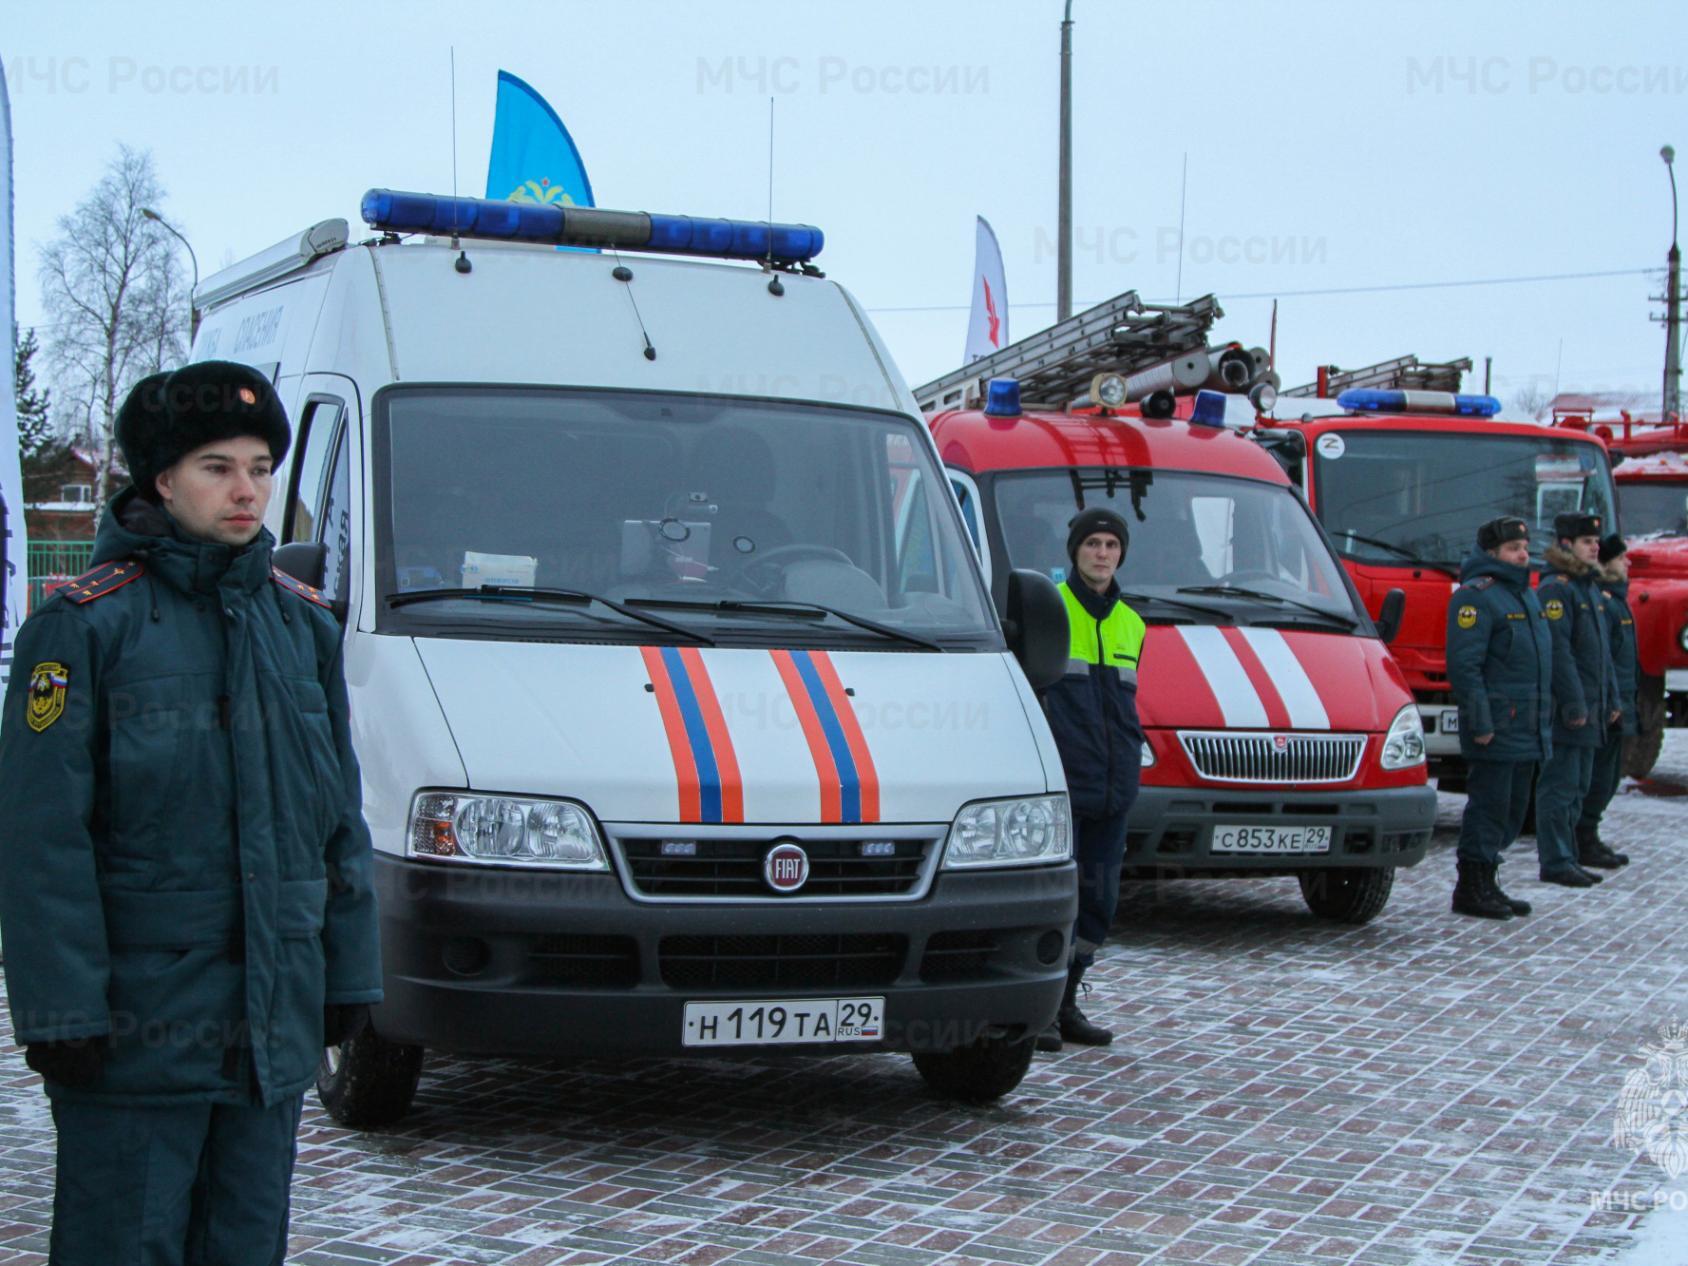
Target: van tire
(368, 1082)
(1347, 894)
(979, 1073)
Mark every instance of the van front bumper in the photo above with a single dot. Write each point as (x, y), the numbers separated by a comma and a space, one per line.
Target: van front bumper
(1170, 831)
(504, 961)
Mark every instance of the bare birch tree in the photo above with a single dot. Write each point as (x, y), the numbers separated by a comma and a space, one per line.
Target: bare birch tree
(111, 285)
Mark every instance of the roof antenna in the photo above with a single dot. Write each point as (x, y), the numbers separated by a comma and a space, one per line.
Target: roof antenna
(775, 286)
(462, 264)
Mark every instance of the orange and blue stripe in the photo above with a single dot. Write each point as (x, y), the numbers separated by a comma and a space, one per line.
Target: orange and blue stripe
(849, 782)
(705, 764)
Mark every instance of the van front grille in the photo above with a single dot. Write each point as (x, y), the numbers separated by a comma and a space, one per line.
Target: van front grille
(1273, 758)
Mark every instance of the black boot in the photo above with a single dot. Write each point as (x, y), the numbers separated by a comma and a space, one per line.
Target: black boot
(1049, 1041)
(1472, 895)
(1570, 877)
(1591, 851)
(1074, 1027)
(1491, 881)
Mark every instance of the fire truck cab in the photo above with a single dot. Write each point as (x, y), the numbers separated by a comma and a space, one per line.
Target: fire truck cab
(1401, 480)
(1281, 737)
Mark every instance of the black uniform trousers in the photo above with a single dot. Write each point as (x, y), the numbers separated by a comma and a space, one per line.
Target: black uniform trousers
(1099, 850)
(1565, 777)
(201, 1184)
(1497, 798)
(1608, 773)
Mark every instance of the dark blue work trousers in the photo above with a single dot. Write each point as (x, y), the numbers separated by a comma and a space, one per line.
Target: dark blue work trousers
(1497, 798)
(1608, 773)
(203, 1184)
(1560, 791)
(1099, 850)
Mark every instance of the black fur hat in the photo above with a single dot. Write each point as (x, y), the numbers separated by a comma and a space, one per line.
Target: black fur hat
(1573, 523)
(1612, 547)
(1497, 532)
(167, 416)
(1089, 522)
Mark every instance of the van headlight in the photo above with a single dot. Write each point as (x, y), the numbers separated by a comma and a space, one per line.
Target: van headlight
(504, 829)
(1682, 638)
(1403, 746)
(1028, 832)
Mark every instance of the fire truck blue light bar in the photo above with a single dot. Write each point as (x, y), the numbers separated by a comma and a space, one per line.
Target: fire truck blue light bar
(392, 211)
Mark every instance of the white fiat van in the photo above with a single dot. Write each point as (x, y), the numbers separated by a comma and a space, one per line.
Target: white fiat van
(686, 721)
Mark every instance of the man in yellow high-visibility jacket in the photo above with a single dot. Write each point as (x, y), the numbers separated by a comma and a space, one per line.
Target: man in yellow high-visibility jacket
(1093, 714)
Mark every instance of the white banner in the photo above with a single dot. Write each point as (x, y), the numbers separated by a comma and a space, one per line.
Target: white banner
(14, 540)
(987, 328)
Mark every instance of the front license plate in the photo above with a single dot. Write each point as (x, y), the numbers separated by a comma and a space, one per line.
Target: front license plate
(1271, 839)
(1450, 721)
(783, 1022)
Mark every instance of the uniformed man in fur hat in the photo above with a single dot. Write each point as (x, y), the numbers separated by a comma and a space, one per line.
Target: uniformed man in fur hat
(1585, 693)
(1592, 851)
(184, 866)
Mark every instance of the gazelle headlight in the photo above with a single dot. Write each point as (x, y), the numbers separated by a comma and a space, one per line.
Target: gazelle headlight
(1403, 746)
(516, 832)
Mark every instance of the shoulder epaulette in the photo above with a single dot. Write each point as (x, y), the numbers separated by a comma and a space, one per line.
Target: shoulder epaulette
(102, 580)
(1480, 582)
(294, 585)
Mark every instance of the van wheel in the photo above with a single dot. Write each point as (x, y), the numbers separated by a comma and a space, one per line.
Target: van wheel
(1347, 894)
(368, 1081)
(1641, 750)
(985, 1070)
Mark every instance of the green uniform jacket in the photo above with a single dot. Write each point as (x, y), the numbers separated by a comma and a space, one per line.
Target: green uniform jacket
(1585, 685)
(1620, 631)
(1500, 663)
(184, 865)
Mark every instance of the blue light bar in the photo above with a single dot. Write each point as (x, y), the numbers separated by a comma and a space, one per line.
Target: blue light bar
(1209, 409)
(395, 212)
(1371, 400)
(1002, 398)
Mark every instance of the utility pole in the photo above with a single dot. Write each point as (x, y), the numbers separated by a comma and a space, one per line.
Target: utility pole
(1673, 305)
(1064, 196)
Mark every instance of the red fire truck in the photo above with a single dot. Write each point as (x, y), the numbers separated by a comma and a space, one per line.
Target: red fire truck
(1650, 465)
(1401, 479)
(1282, 738)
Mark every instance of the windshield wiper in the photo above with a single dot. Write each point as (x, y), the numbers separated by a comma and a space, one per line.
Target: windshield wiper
(800, 610)
(528, 593)
(1400, 552)
(1199, 607)
(1241, 592)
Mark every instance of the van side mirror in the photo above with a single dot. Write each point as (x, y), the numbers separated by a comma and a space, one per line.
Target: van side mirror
(1034, 620)
(305, 561)
(1389, 617)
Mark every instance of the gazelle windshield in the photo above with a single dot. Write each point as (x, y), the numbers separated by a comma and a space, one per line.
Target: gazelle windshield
(744, 520)
(1197, 541)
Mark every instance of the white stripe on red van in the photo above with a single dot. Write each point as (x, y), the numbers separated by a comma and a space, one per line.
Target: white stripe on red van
(1294, 687)
(1239, 702)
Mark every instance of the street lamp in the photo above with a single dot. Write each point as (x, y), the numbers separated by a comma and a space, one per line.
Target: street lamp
(1673, 297)
(193, 308)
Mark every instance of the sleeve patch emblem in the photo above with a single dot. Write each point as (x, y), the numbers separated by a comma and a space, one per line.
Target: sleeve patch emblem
(48, 684)
(1554, 609)
(1467, 617)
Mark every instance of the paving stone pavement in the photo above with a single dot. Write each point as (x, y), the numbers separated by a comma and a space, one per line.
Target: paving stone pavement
(1426, 1089)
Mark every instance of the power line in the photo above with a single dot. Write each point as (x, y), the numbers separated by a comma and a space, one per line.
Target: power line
(1336, 290)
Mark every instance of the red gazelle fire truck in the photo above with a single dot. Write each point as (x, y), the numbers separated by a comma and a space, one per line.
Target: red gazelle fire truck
(1282, 738)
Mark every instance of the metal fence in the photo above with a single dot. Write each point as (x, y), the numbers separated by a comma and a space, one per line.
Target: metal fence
(51, 563)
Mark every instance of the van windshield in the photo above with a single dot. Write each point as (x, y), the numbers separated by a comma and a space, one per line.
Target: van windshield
(1229, 548)
(747, 521)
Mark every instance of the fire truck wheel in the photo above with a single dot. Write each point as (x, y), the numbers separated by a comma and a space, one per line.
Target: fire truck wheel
(1347, 894)
(1641, 751)
(986, 1070)
(368, 1081)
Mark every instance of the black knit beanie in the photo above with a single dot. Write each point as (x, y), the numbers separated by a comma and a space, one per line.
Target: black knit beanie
(1088, 523)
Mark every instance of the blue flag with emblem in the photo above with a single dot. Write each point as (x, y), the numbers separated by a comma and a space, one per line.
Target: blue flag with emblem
(533, 155)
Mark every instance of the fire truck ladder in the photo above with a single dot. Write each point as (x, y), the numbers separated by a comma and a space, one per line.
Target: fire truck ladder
(1123, 335)
(1404, 373)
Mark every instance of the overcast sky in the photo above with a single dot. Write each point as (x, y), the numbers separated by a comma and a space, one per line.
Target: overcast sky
(1330, 146)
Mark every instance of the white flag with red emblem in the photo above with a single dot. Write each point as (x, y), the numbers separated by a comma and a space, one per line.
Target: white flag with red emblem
(987, 328)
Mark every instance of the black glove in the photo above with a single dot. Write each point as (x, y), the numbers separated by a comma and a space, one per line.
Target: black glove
(342, 1021)
(75, 1063)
